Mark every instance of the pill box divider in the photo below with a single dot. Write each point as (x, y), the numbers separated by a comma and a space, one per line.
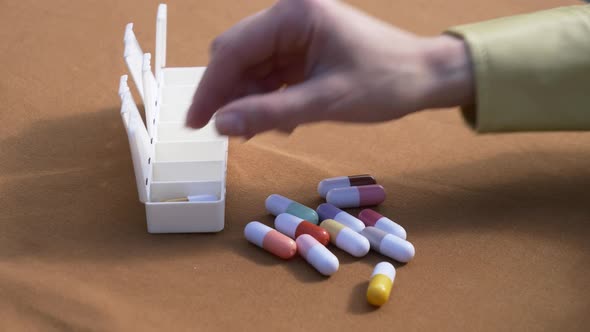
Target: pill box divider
(191, 150)
(163, 190)
(176, 131)
(188, 171)
(178, 94)
(175, 76)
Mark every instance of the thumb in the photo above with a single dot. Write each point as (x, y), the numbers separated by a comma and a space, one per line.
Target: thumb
(310, 101)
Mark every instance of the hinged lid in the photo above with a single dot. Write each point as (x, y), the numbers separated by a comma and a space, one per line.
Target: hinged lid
(161, 21)
(150, 96)
(133, 57)
(140, 144)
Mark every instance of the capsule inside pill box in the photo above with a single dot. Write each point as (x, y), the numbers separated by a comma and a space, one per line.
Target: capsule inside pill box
(194, 198)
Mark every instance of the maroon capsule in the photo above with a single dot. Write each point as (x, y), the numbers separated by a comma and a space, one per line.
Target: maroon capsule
(344, 181)
(352, 197)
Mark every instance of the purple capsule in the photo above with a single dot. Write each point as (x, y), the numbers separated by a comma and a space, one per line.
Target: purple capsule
(329, 211)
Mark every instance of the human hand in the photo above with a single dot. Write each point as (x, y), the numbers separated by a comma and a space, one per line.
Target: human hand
(302, 61)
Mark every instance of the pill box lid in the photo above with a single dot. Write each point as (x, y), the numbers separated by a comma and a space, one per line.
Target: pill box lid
(140, 143)
(141, 136)
(150, 95)
(161, 23)
(133, 57)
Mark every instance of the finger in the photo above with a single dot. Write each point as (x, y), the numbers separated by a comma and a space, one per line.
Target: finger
(321, 99)
(245, 45)
(287, 131)
(223, 76)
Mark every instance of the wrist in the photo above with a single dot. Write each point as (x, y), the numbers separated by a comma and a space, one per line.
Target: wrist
(451, 81)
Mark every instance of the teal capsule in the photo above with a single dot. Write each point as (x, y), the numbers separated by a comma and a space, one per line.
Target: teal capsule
(277, 204)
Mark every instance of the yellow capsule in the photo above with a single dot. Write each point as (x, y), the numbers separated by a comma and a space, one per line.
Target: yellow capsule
(380, 284)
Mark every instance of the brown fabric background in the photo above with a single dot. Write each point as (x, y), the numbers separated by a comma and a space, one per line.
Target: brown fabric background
(500, 222)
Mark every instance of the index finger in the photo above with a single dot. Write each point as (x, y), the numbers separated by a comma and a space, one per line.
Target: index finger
(248, 43)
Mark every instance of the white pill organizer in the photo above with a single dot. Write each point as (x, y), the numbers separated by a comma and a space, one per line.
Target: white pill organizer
(171, 161)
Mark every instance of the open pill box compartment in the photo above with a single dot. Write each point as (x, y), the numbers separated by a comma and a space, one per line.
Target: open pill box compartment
(171, 161)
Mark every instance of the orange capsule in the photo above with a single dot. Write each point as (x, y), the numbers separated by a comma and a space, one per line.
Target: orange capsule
(270, 240)
(293, 227)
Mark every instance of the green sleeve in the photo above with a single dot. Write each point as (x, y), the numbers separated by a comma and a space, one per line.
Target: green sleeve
(532, 71)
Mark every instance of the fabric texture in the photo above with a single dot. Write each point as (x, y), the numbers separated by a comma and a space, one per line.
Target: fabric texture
(532, 71)
(500, 223)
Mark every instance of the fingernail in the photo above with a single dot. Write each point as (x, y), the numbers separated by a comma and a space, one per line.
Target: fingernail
(229, 124)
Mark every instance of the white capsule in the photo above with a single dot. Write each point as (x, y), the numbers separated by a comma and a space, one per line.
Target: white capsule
(389, 244)
(317, 255)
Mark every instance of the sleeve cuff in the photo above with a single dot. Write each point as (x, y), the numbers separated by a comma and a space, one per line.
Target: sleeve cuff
(532, 71)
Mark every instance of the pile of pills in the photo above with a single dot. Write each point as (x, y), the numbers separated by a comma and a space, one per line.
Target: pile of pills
(300, 229)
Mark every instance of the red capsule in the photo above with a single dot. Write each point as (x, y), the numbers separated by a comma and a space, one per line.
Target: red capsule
(293, 227)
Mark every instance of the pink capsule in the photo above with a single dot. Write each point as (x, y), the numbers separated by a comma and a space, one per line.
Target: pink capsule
(270, 240)
(352, 197)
